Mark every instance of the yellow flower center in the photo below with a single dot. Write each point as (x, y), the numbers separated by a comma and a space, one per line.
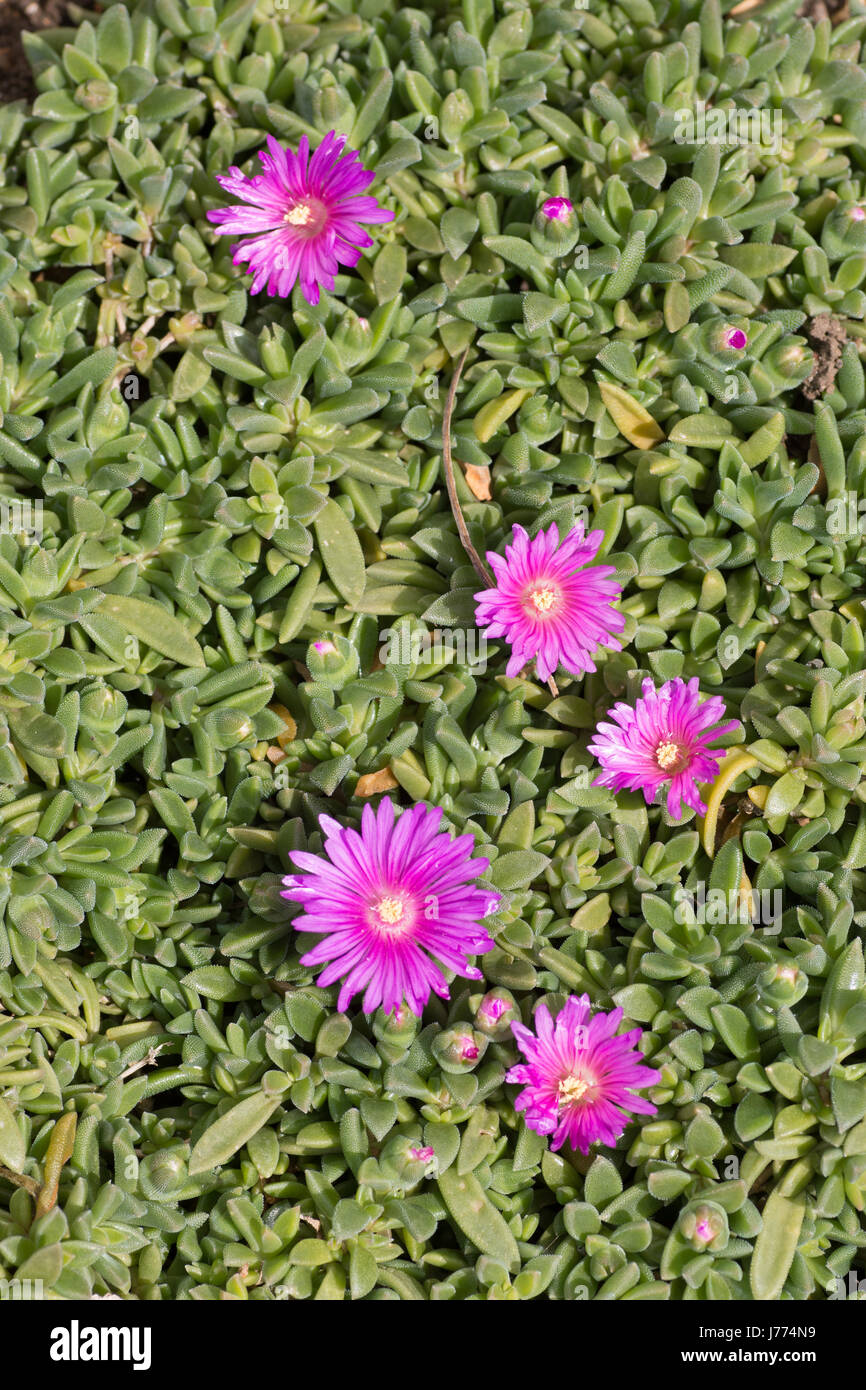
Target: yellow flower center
(572, 1088)
(390, 912)
(543, 599)
(301, 215)
(667, 754)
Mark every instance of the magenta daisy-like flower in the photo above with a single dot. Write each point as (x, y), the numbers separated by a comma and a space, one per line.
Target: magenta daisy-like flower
(389, 902)
(303, 215)
(663, 737)
(578, 1079)
(550, 602)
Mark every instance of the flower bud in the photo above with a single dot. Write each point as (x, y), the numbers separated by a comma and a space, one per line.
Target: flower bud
(227, 728)
(396, 1032)
(332, 661)
(411, 1159)
(555, 230)
(790, 359)
(423, 1155)
(495, 1012)
(781, 986)
(723, 343)
(351, 338)
(705, 1227)
(557, 209)
(102, 709)
(162, 1174)
(96, 96)
(458, 1049)
(844, 231)
(108, 420)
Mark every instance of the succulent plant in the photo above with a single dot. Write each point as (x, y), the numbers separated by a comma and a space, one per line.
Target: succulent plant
(224, 521)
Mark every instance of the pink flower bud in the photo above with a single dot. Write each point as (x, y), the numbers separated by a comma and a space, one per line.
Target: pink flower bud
(558, 209)
(705, 1227)
(492, 1009)
(422, 1155)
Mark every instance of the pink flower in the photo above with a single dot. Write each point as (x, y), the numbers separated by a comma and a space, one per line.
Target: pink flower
(550, 603)
(387, 900)
(558, 209)
(735, 338)
(858, 213)
(578, 1078)
(303, 215)
(664, 737)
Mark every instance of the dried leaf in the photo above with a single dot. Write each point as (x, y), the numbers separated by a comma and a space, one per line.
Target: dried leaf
(371, 783)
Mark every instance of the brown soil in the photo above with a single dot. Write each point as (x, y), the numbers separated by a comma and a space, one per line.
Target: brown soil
(817, 10)
(16, 82)
(827, 338)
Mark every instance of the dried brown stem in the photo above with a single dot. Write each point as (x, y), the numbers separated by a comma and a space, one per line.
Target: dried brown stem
(20, 1180)
(480, 565)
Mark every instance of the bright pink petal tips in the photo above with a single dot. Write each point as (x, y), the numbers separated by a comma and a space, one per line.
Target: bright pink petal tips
(391, 904)
(422, 1155)
(579, 1079)
(664, 737)
(557, 209)
(550, 603)
(301, 218)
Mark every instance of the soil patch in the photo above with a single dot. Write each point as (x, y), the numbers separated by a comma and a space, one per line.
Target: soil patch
(16, 80)
(827, 338)
(817, 10)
